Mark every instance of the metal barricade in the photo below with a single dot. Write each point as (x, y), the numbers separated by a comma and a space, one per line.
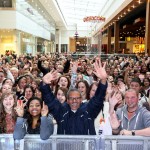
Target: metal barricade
(127, 143)
(6, 142)
(75, 142)
(67, 142)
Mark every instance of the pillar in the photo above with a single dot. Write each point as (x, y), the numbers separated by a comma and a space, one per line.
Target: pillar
(59, 42)
(109, 31)
(147, 28)
(116, 37)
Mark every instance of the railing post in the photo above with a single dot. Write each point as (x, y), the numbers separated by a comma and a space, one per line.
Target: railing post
(114, 144)
(102, 142)
(145, 147)
(86, 145)
(16, 144)
(54, 143)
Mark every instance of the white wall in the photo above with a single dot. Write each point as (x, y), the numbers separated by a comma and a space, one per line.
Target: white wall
(29, 26)
(65, 35)
(94, 40)
(10, 19)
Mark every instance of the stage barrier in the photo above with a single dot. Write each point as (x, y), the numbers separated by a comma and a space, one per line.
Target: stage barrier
(75, 142)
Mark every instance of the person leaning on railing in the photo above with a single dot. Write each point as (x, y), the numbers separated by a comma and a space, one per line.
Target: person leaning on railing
(74, 117)
(37, 122)
(131, 119)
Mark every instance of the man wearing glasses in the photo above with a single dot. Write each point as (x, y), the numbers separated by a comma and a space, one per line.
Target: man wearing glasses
(75, 118)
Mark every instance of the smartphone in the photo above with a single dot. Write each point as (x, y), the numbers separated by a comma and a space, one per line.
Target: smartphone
(23, 99)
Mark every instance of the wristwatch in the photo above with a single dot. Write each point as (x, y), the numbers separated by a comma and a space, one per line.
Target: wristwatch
(133, 132)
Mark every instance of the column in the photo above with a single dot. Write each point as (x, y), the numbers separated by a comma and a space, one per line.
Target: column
(18, 42)
(34, 46)
(109, 31)
(59, 42)
(100, 42)
(116, 37)
(147, 28)
(53, 47)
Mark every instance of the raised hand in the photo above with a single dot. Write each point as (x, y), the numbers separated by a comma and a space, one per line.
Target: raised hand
(89, 70)
(113, 101)
(74, 67)
(100, 71)
(122, 87)
(44, 110)
(50, 77)
(43, 58)
(114, 122)
(26, 66)
(19, 108)
(5, 67)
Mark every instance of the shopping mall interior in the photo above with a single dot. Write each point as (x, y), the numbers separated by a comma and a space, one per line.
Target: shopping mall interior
(107, 26)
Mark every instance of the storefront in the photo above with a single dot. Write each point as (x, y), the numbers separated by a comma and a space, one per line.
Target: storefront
(15, 41)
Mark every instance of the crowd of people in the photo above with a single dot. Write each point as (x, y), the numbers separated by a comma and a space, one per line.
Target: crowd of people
(56, 93)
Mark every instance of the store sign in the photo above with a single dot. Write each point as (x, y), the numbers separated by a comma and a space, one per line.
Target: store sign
(138, 48)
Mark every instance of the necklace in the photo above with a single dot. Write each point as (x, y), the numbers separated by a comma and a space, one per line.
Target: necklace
(130, 111)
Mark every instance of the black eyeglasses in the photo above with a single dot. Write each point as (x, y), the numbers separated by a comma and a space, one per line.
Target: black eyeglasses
(74, 98)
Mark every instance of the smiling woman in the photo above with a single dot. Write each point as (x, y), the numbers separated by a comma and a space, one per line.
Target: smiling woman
(7, 113)
(37, 122)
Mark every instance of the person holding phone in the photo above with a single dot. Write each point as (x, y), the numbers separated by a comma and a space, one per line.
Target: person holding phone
(37, 122)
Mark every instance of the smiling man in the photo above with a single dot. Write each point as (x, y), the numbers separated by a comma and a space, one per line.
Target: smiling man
(74, 117)
(74, 99)
(131, 119)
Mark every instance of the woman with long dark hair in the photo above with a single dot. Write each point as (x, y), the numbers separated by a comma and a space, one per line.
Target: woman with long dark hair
(83, 87)
(37, 122)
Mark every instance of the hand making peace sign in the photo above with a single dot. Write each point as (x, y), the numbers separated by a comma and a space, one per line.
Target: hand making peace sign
(19, 108)
(44, 110)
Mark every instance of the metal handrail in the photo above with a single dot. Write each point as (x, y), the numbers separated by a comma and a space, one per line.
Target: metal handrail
(75, 142)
